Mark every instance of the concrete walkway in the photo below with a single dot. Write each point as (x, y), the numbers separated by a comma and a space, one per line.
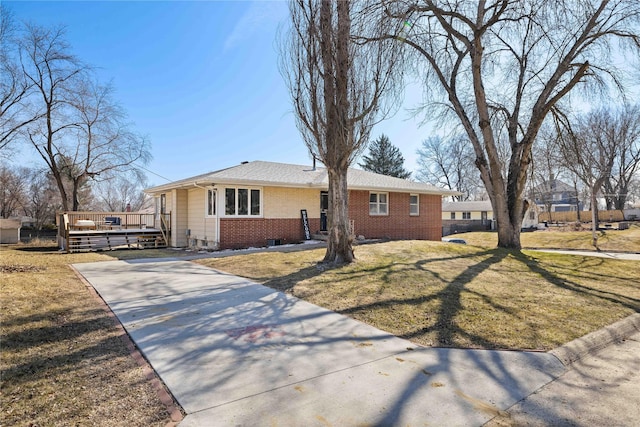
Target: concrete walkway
(601, 389)
(233, 352)
(612, 255)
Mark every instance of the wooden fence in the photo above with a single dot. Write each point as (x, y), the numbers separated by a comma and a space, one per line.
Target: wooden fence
(585, 216)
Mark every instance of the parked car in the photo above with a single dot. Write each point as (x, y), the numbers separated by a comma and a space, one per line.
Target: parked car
(455, 240)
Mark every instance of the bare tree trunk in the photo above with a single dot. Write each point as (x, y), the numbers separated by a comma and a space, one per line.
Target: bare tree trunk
(337, 82)
(339, 248)
(594, 219)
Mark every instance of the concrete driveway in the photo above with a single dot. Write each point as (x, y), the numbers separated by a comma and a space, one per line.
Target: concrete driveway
(233, 352)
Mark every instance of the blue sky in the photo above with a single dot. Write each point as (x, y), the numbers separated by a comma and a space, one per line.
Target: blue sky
(200, 79)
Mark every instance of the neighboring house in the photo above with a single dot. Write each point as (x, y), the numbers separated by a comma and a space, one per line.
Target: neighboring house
(256, 203)
(459, 217)
(555, 196)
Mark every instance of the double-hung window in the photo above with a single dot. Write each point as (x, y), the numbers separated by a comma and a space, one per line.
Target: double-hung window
(378, 203)
(414, 204)
(211, 202)
(242, 202)
(466, 215)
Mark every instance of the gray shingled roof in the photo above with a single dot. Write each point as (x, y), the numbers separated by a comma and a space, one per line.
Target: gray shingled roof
(261, 173)
(477, 206)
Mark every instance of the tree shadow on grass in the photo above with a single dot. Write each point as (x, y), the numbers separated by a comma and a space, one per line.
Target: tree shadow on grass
(449, 297)
(573, 286)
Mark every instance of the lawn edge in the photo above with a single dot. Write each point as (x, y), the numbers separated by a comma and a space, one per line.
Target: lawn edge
(176, 412)
(575, 350)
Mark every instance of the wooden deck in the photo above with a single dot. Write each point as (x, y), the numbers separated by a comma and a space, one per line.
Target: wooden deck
(90, 231)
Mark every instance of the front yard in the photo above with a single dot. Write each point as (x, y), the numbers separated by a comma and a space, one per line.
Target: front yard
(63, 362)
(445, 294)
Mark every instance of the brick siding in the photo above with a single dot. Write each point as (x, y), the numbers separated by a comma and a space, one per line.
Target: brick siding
(398, 224)
(247, 232)
(254, 232)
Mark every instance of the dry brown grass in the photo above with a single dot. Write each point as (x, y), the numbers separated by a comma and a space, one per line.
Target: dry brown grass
(565, 238)
(439, 294)
(63, 361)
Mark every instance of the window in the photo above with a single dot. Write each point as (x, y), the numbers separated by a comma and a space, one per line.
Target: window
(163, 203)
(453, 215)
(255, 202)
(211, 202)
(242, 202)
(378, 204)
(414, 204)
(230, 201)
(466, 215)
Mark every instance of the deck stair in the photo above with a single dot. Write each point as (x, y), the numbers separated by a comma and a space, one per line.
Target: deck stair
(116, 239)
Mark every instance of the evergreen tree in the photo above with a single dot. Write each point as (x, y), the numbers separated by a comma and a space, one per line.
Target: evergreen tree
(385, 158)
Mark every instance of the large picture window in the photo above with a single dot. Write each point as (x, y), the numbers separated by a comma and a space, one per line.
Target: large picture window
(378, 204)
(242, 202)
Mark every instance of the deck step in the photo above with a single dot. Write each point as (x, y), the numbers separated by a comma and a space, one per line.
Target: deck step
(81, 242)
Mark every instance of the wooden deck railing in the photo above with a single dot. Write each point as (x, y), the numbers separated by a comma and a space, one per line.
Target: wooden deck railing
(122, 219)
(110, 224)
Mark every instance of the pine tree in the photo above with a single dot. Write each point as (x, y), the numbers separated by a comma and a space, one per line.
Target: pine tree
(385, 158)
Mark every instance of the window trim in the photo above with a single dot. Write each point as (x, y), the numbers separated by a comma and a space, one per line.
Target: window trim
(377, 203)
(453, 215)
(250, 201)
(417, 205)
(466, 214)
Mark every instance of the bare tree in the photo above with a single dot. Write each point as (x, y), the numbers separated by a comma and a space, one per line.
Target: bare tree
(104, 142)
(15, 113)
(337, 81)
(449, 162)
(42, 198)
(13, 191)
(499, 67)
(54, 73)
(122, 190)
(545, 169)
(82, 132)
(589, 145)
(623, 125)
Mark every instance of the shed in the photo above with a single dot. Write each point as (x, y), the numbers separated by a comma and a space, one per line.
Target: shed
(9, 231)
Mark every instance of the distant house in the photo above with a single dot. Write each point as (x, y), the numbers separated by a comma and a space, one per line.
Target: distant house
(256, 203)
(459, 217)
(554, 195)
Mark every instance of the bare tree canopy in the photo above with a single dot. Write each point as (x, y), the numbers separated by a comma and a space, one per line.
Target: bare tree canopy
(337, 81)
(623, 124)
(449, 163)
(15, 113)
(602, 149)
(74, 123)
(499, 67)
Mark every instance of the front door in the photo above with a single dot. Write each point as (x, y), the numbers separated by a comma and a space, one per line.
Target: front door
(324, 207)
